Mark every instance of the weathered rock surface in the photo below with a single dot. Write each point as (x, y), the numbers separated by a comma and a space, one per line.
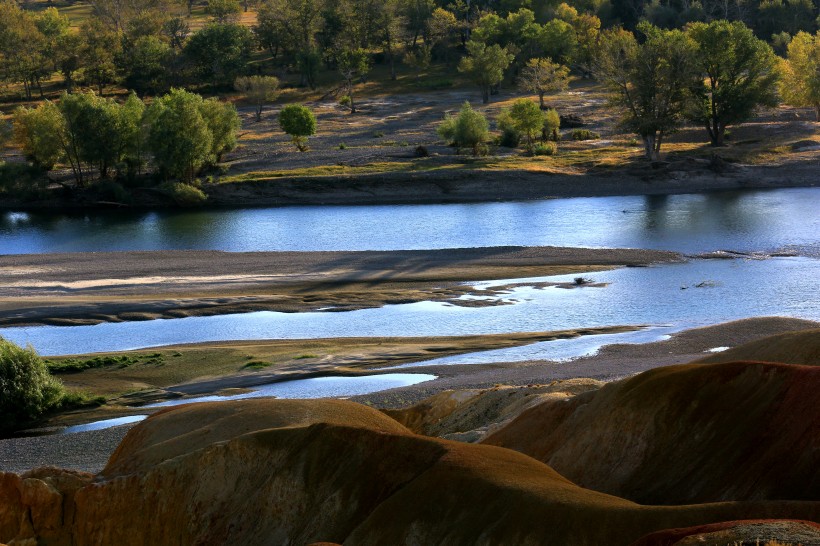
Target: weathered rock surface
(299, 472)
(805, 533)
(470, 415)
(684, 434)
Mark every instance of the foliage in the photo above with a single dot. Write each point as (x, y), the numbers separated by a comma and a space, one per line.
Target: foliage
(510, 135)
(468, 129)
(184, 195)
(27, 391)
(801, 74)
(485, 66)
(223, 11)
(144, 65)
(584, 134)
(353, 63)
(649, 82)
(219, 53)
(527, 119)
(38, 131)
(544, 148)
(542, 76)
(179, 137)
(552, 122)
(259, 90)
(223, 123)
(299, 122)
(739, 73)
(98, 53)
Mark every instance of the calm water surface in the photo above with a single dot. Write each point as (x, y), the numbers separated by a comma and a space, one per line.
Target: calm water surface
(742, 221)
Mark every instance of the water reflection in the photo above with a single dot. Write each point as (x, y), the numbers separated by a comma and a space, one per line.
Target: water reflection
(744, 221)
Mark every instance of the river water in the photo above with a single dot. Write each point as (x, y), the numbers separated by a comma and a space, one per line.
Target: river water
(668, 297)
(741, 221)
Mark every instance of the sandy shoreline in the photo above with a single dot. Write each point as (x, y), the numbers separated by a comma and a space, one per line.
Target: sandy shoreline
(89, 288)
(89, 451)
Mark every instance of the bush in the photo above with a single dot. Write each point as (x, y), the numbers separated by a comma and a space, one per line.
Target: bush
(342, 146)
(469, 129)
(27, 390)
(184, 195)
(510, 135)
(421, 151)
(113, 191)
(584, 134)
(544, 148)
(552, 122)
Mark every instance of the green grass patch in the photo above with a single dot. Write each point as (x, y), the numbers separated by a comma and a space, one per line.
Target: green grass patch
(257, 365)
(76, 365)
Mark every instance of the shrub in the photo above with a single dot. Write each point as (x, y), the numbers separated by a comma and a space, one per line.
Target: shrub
(299, 122)
(584, 134)
(552, 122)
(421, 151)
(184, 195)
(544, 148)
(27, 390)
(469, 129)
(510, 135)
(342, 146)
(110, 190)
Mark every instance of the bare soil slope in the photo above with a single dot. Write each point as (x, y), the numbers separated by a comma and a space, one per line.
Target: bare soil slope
(791, 348)
(684, 434)
(293, 474)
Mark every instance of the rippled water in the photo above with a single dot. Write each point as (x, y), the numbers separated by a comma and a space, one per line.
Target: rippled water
(665, 295)
(744, 221)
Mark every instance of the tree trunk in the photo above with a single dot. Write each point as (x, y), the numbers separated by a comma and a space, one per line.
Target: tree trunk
(258, 113)
(817, 112)
(649, 145)
(485, 94)
(541, 100)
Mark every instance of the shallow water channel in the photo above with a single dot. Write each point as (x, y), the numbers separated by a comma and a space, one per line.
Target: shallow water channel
(674, 296)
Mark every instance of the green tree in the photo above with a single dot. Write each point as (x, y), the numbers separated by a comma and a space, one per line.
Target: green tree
(527, 119)
(223, 124)
(98, 54)
(259, 90)
(39, 133)
(649, 83)
(178, 136)
(419, 59)
(27, 390)
(801, 72)
(542, 76)
(92, 132)
(22, 48)
(485, 66)
(468, 129)
(299, 122)
(219, 53)
(739, 72)
(353, 64)
(224, 11)
(144, 65)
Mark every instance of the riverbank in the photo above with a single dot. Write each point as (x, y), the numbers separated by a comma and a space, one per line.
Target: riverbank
(89, 451)
(389, 153)
(90, 288)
